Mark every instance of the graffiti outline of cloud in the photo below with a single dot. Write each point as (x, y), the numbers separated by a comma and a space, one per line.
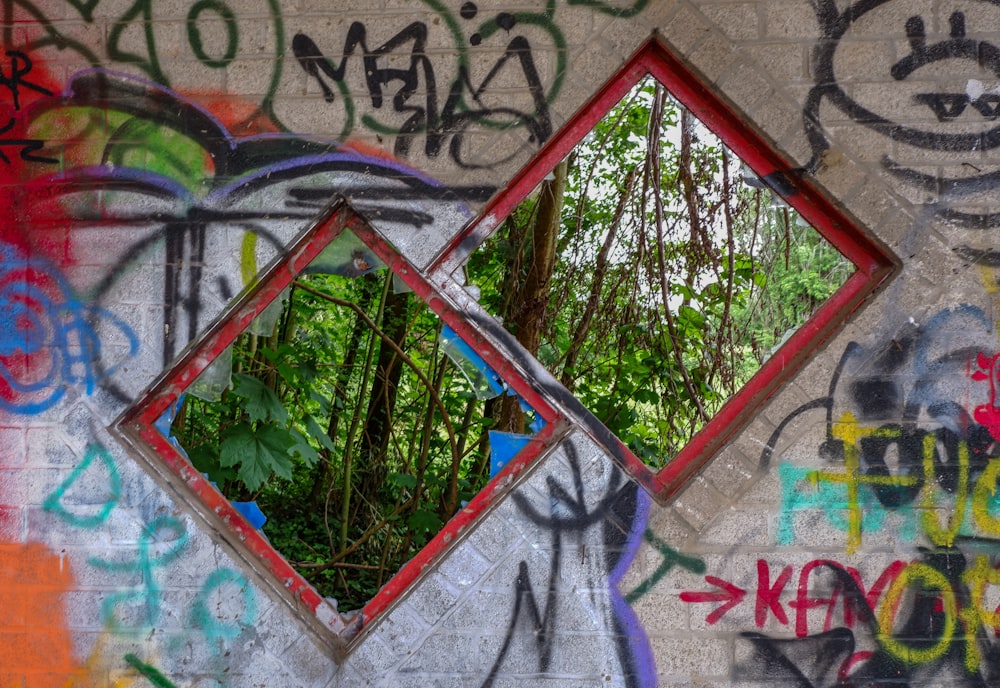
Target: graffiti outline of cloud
(207, 181)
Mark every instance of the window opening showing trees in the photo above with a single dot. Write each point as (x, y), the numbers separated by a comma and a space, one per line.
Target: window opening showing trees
(652, 273)
(346, 422)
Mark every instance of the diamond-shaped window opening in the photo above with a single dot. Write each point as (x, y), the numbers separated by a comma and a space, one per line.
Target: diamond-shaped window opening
(858, 265)
(346, 239)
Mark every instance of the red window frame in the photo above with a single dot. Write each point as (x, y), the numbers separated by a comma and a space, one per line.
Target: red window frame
(874, 263)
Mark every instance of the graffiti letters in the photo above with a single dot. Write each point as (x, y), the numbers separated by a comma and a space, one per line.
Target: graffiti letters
(137, 34)
(436, 122)
(225, 603)
(910, 442)
(846, 591)
(161, 542)
(671, 558)
(571, 514)
(928, 618)
(13, 79)
(56, 502)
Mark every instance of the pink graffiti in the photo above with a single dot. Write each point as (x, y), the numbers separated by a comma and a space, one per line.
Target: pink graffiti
(768, 597)
(988, 415)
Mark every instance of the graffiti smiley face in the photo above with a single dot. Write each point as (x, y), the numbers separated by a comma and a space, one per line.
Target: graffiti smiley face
(934, 85)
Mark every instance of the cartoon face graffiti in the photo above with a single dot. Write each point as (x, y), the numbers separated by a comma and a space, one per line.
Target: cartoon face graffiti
(924, 78)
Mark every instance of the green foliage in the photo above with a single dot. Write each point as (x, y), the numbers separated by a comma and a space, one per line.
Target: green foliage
(257, 453)
(674, 280)
(350, 447)
(258, 400)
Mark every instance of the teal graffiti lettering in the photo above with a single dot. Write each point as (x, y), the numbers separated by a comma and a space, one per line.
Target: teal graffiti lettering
(213, 611)
(671, 558)
(55, 501)
(799, 492)
(162, 541)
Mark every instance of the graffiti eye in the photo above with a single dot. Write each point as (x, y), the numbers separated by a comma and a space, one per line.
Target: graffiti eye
(988, 105)
(946, 106)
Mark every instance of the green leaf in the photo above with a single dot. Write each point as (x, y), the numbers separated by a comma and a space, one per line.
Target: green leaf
(257, 455)
(270, 354)
(303, 449)
(690, 318)
(307, 370)
(318, 434)
(287, 371)
(206, 459)
(423, 521)
(402, 480)
(646, 396)
(262, 404)
(321, 399)
(681, 289)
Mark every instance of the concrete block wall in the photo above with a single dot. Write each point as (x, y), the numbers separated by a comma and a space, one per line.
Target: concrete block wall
(845, 536)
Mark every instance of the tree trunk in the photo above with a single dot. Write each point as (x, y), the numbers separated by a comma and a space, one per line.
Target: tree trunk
(375, 432)
(532, 296)
(322, 472)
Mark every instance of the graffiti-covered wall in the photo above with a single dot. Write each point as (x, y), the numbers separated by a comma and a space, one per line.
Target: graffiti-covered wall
(839, 528)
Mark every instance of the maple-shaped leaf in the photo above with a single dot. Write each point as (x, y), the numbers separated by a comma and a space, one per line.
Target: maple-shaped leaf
(262, 404)
(258, 454)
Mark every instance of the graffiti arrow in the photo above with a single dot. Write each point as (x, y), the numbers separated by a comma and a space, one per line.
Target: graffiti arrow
(730, 595)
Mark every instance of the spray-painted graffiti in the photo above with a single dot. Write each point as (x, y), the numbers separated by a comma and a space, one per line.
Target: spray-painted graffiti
(964, 107)
(457, 94)
(38, 645)
(904, 436)
(14, 81)
(96, 507)
(444, 100)
(670, 559)
(180, 192)
(139, 33)
(48, 343)
(454, 117)
(768, 597)
(928, 620)
(225, 604)
(908, 446)
(182, 184)
(572, 513)
(161, 543)
(148, 671)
